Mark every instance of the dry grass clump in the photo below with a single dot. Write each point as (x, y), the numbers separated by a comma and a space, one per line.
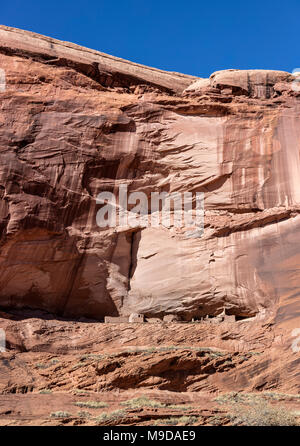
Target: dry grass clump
(261, 413)
(60, 414)
(175, 421)
(115, 416)
(243, 397)
(91, 404)
(84, 414)
(142, 401)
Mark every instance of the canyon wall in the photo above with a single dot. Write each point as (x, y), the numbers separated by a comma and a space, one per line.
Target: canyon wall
(75, 122)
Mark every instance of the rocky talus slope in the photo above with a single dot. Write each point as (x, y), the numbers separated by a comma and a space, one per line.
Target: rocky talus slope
(75, 122)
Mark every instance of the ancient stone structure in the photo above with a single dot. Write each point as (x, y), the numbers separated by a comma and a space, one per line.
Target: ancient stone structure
(136, 317)
(133, 317)
(116, 319)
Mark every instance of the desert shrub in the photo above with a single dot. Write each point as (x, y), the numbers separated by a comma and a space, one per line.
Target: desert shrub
(59, 414)
(81, 392)
(142, 402)
(84, 414)
(216, 420)
(168, 348)
(111, 416)
(77, 366)
(277, 396)
(92, 356)
(260, 413)
(237, 397)
(174, 421)
(39, 365)
(179, 407)
(54, 361)
(243, 397)
(91, 404)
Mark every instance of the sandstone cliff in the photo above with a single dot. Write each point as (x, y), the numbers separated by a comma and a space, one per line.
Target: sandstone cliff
(75, 122)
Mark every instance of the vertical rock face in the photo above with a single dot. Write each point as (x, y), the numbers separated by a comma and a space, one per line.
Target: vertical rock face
(75, 122)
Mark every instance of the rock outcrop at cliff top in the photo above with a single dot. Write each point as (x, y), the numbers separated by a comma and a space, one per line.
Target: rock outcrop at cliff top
(75, 122)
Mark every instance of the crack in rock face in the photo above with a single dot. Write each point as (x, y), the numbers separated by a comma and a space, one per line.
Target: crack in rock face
(75, 123)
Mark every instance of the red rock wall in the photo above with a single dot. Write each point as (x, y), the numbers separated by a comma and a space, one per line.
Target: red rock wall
(75, 122)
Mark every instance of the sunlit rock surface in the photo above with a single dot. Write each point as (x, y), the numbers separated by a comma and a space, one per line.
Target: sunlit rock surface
(75, 122)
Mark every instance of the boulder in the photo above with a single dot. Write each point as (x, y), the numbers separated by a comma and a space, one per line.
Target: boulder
(255, 83)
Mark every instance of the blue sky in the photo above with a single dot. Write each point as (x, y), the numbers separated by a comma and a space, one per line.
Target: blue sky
(189, 36)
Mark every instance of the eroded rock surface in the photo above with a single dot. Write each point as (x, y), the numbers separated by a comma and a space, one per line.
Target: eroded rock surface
(81, 370)
(75, 122)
